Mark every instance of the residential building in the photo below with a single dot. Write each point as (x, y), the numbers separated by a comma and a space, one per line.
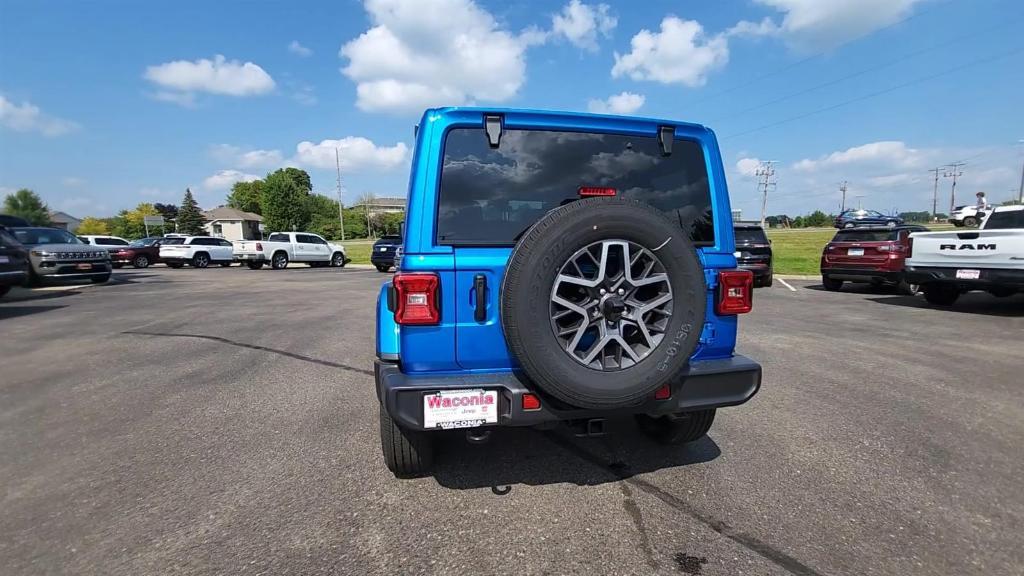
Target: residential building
(381, 205)
(64, 220)
(232, 224)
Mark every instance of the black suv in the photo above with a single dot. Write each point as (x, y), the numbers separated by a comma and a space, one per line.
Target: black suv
(384, 250)
(754, 251)
(13, 261)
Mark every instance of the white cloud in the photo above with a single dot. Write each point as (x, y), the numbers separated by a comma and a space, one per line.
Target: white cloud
(26, 117)
(223, 179)
(581, 23)
(72, 181)
(622, 103)
(681, 53)
(422, 53)
(816, 25)
(303, 94)
(888, 154)
(748, 29)
(181, 80)
(235, 156)
(748, 166)
(355, 153)
(299, 49)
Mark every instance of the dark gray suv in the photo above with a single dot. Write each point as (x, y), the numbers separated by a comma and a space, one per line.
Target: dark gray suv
(56, 254)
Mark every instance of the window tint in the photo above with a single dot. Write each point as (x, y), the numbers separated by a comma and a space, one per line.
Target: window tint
(866, 235)
(304, 238)
(111, 242)
(45, 236)
(1005, 219)
(317, 240)
(750, 236)
(278, 237)
(223, 242)
(491, 196)
(7, 240)
(169, 241)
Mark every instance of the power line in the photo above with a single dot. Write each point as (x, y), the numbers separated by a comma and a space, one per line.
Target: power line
(798, 63)
(766, 172)
(879, 92)
(954, 172)
(887, 64)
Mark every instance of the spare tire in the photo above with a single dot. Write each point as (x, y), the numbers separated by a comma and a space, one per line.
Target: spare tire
(590, 329)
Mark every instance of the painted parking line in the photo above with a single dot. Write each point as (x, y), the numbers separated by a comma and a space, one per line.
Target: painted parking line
(786, 284)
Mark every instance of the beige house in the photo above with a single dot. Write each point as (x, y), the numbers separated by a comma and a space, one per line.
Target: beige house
(231, 224)
(64, 220)
(381, 205)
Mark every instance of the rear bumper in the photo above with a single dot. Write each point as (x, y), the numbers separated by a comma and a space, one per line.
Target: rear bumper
(250, 257)
(704, 384)
(862, 274)
(386, 258)
(989, 278)
(759, 269)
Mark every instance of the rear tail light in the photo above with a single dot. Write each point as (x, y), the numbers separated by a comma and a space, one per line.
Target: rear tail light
(416, 299)
(586, 191)
(910, 247)
(259, 247)
(531, 401)
(663, 393)
(735, 292)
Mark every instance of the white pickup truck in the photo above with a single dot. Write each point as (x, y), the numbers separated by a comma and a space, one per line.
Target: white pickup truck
(280, 248)
(948, 264)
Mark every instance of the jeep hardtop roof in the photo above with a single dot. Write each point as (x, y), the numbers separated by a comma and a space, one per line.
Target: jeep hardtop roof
(594, 120)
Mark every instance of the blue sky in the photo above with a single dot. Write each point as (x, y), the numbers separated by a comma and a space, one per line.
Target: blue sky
(106, 104)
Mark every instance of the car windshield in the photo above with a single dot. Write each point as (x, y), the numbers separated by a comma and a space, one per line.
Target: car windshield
(36, 236)
(491, 196)
(7, 240)
(751, 236)
(866, 235)
(168, 241)
(865, 214)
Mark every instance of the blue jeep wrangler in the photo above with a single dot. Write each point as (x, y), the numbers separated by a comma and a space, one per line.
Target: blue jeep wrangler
(560, 267)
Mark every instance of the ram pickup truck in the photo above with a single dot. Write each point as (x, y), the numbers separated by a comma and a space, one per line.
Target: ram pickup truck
(560, 268)
(280, 248)
(948, 264)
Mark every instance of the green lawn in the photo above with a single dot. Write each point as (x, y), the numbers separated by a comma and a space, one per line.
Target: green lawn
(798, 251)
(358, 251)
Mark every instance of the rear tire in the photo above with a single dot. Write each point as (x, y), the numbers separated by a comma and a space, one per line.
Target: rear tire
(4, 290)
(767, 282)
(941, 294)
(201, 260)
(675, 429)
(831, 285)
(141, 261)
(338, 260)
(907, 289)
(407, 453)
(382, 268)
(254, 265)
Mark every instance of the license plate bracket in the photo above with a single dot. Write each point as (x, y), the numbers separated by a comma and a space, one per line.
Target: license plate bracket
(451, 409)
(855, 252)
(968, 274)
(83, 266)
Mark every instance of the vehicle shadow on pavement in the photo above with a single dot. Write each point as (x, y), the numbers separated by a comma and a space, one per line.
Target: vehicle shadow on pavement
(540, 457)
(15, 311)
(971, 303)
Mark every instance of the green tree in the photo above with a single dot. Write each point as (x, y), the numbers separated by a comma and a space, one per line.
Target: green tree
(285, 201)
(247, 196)
(28, 205)
(386, 223)
(190, 217)
(90, 225)
(300, 177)
(818, 219)
(355, 223)
(130, 224)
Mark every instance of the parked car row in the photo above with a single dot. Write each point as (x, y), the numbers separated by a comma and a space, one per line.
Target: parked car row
(943, 265)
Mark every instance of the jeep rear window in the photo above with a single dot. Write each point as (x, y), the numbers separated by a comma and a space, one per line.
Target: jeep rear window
(1005, 219)
(866, 235)
(491, 196)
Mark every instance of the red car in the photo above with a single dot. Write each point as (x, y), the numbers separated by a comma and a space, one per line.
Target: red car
(871, 255)
(139, 253)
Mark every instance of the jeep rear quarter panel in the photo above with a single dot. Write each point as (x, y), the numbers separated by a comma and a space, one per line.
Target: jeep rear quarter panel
(435, 349)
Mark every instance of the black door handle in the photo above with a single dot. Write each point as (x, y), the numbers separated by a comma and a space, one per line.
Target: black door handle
(480, 290)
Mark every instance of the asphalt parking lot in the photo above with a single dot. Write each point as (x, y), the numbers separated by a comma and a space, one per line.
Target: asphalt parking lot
(224, 421)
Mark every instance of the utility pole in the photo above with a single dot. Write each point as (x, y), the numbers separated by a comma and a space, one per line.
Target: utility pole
(935, 193)
(1020, 191)
(858, 197)
(954, 172)
(842, 188)
(766, 172)
(341, 212)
